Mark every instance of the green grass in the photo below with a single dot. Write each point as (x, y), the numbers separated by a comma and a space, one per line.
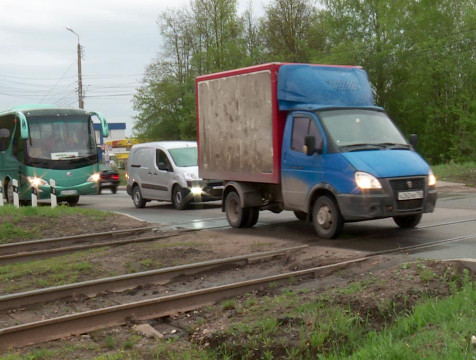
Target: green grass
(27, 275)
(453, 172)
(16, 224)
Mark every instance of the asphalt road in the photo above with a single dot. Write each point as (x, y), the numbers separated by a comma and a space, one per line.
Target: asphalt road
(455, 216)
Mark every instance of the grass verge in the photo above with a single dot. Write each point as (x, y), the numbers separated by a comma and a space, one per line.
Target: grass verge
(461, 173)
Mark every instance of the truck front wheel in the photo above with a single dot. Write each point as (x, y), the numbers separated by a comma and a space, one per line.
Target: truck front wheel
(407, 221)
(326, 217)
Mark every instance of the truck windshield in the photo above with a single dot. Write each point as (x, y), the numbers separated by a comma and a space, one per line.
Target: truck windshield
(60, 138)
(184, 157)
(357, 129)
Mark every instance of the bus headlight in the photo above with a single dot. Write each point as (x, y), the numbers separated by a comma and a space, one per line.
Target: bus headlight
(94, 178)
(431, 178)
(366, 181)
(36, 181)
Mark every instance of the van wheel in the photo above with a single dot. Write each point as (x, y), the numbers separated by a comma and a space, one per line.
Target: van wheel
(326, 217)
(179, 197)
(236, 215)
(407, 221)
(139, 202)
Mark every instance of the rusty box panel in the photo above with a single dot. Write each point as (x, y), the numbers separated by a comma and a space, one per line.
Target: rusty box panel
(236, 127)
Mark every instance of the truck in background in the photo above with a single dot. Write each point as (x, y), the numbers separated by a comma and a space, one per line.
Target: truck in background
(309, 139)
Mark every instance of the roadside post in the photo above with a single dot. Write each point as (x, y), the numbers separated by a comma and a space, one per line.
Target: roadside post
(54, 201)
(1, 195)
(16, 199)
(34, 196)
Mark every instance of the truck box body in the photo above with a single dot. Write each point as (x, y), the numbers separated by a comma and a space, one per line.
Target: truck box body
(241, 113)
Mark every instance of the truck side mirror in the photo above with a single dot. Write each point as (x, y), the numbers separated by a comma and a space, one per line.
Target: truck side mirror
(414, 141)
(310, 145)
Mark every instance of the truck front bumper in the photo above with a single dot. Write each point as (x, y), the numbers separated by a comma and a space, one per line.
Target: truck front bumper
(366, 206)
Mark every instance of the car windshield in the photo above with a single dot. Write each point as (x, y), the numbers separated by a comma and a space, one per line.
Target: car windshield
(184, 157)
(357, 129)
(60, 138)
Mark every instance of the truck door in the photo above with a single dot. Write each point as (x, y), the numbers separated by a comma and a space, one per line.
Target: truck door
(300, 172)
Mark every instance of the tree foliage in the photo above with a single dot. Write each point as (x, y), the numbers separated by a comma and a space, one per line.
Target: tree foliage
(419, 54)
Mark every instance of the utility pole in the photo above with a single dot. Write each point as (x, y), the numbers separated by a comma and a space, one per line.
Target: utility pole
(80, 79)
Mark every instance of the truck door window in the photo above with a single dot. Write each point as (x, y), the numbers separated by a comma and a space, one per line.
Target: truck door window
(303, 126)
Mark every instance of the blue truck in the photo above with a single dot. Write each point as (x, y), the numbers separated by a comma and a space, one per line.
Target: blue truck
(309, 139)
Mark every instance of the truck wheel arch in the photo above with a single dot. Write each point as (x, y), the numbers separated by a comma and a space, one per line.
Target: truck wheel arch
(249, 194)
(319, 190)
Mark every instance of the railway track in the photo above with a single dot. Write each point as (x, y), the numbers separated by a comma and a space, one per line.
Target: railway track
(55, 246)
(160, 306)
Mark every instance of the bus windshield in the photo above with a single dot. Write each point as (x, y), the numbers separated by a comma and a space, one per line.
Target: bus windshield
(60, 138)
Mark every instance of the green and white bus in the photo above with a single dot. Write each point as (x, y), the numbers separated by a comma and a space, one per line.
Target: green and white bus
(41, 142)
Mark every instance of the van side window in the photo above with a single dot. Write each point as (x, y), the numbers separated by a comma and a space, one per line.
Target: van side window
(162, 161)
(303, 126)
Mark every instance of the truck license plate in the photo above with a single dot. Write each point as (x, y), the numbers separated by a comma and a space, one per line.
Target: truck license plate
(410, 195)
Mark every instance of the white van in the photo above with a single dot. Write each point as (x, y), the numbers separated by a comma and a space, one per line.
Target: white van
(168, 171)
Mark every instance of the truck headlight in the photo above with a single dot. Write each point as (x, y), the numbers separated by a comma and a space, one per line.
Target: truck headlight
(431, 178)
(36, 181)
(366, 181)
(94, 177)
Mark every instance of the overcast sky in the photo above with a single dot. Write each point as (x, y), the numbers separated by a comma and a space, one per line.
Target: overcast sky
(38, 56)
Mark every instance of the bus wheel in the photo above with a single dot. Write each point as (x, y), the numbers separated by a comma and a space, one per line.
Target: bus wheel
(71, 200)
(326, 217)
(10, 192)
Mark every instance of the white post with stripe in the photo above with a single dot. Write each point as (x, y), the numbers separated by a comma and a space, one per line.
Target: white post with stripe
(16, 199)
(34, 196)
(1, 195)
(54, 200)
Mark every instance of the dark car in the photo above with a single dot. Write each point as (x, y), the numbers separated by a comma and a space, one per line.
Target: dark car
(109, 179)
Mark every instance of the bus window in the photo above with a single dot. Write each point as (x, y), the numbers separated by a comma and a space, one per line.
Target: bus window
(7, 125)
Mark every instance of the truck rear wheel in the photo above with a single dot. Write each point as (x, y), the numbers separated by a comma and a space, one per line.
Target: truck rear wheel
(253, 216)
(326, 217)
(236, 215)
(407, 221)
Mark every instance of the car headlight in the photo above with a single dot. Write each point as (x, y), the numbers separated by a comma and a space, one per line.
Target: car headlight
(431, 178)
(366, 181)
(190, 176)
(94, 177)
(36, 181)
(196, 190)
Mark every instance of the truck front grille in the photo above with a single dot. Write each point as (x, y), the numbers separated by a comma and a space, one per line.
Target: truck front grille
(407, 184)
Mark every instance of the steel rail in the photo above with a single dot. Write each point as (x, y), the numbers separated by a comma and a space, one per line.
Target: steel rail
(60, 241)
(130, 281)
(66, 249)
(55, 328)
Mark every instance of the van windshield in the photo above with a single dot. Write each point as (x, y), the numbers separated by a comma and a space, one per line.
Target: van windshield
(357, 129)
(184, 157)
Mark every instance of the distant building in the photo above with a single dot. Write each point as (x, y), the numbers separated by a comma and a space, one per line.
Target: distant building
(117, 131)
